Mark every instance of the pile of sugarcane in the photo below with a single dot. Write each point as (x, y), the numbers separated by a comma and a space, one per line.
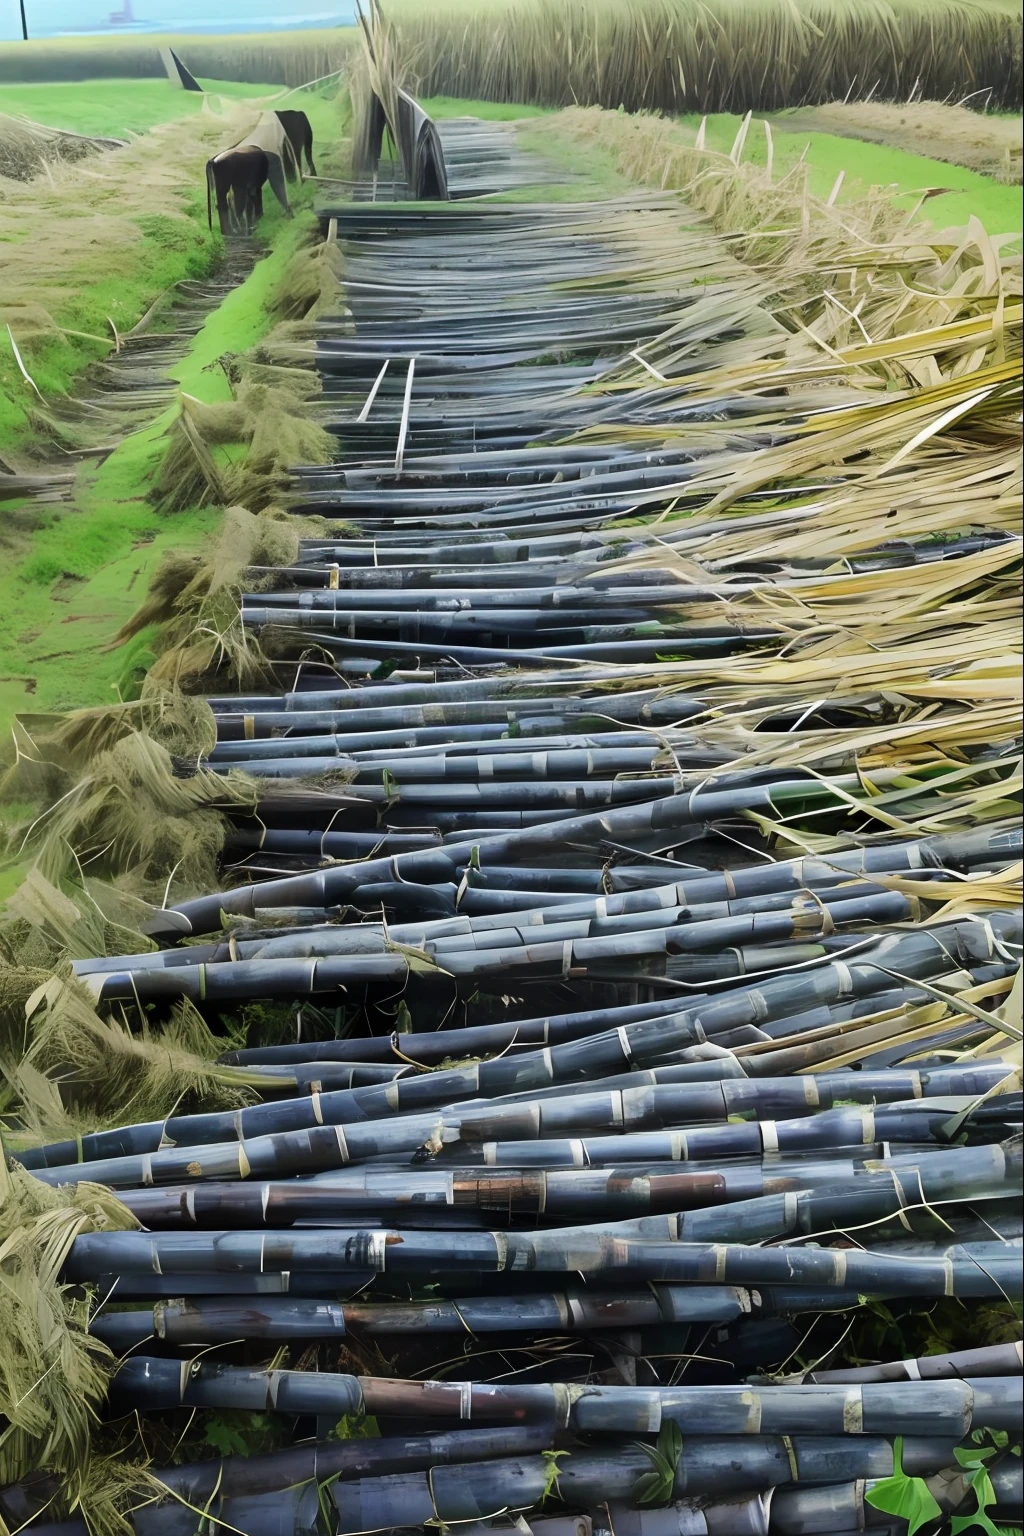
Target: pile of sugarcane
(638, 877)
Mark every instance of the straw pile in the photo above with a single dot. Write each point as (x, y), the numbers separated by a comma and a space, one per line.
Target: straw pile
(30, 149)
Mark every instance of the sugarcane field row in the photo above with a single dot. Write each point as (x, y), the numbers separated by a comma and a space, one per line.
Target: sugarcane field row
(593, 850)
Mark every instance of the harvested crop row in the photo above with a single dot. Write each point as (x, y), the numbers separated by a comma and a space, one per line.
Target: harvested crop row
(618, 917)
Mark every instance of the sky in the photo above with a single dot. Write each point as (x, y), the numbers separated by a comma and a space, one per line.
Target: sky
(50, 18)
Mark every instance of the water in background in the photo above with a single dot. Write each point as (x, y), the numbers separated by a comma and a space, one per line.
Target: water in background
(57, 18)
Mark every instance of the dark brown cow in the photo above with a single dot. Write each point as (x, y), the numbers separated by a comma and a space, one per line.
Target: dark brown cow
(239, 174)
(300, 135)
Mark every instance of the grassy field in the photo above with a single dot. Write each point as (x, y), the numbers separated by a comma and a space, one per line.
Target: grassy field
(998, 206)
(987, 142)
(113, 233)
(68, 582)
(114, 107)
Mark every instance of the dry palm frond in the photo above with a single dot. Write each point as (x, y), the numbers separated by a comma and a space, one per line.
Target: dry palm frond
(63, 1064)
(269, 419)
(283, 435)
(109, 1069)
(29, 149)
(309, 283)
(52, 1374)
(879, 298)
(125, 791)
(189, 475)
(195, 600)
(131, 808)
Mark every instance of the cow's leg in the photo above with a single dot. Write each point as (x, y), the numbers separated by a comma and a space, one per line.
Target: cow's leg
(237, 206)
(223, 183)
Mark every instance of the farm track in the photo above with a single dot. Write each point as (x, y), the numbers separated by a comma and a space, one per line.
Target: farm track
(525, 799)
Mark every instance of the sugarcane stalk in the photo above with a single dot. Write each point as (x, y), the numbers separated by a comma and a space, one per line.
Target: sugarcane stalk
(661, 1103)
(950, 1407)
(587, 1250)
(326, 1147)
(709, 1466)
(630, 1190)
(843, 1506)
(203, 914)
(208, 1321)
(987, 1360)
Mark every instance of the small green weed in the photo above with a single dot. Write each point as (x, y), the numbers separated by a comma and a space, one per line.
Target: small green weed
(357, 1426)
(239, 1432)
(551, 1460)
(908, 1498)
(976, 1462)
(658, 1485)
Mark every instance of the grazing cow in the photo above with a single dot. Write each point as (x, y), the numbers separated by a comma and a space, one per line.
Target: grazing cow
(300, 135)
(240, 174)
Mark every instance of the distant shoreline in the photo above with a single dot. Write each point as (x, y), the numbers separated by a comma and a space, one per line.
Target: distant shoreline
(344, 17)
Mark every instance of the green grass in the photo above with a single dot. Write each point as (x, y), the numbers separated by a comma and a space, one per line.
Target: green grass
(997, 206)
(111, 108)
(87, 568)
(492, 111)
(170, 249)
(242, 319)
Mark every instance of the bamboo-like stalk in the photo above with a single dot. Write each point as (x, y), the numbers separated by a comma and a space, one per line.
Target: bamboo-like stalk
(207, 1321)
(233, 1476)
(843, 1507)
(618, 826)
(949, 1408)
(588, 1251)
(789, 1194)
(590, 1478)
(324, 1147)
(987, 1360)
(668, 1102)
